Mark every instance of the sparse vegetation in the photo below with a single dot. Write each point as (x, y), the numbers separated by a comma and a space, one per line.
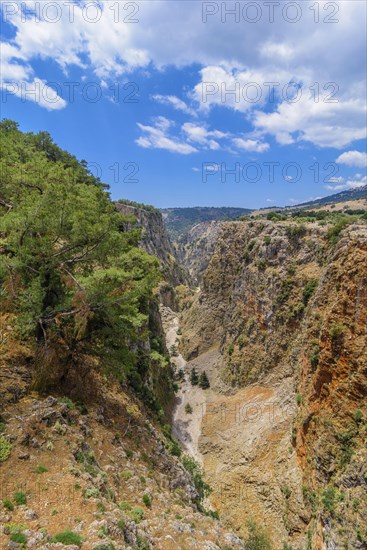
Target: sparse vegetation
(188, 408)
(68, 538)
(5, 448)
(194, 377)
(147, 500)
(20, 498)
(258, 538)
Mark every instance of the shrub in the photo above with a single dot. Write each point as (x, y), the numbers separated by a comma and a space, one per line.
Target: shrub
(8, 505)
(204, 381)
(299, 399)
(124, 506)
(194, 378)
(5, 448)
(108, 546)
(68, 538)
(188, 408)
(295, 233)
(40, 469)
(20, 538)
(267, 239)
(337, 330)
(258, 538)
(137, 514)
(20, 498)
(251, 245)
(92, 492)
(147, 500)
(358, 416)
(314, 358)
(195, 470)
(309, 289)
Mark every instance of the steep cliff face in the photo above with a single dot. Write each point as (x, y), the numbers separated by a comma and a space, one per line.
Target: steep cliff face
(285, 304)
(155, 240)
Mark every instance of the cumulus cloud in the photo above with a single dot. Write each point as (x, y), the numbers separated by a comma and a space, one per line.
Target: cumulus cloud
(175, 102)
(200, 135)
(321, 123)
(353, 158)
(157, 137)
(109, 40)
(252, 145)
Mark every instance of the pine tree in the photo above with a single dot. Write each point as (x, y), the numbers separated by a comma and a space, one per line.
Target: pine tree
(204, 381)
(194, 378)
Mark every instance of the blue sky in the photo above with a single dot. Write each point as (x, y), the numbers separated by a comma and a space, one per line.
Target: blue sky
(182, 103)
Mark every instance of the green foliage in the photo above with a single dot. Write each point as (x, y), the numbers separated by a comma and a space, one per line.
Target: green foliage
(108, 546)
(330, 496)
(267, 239)
(275, 217)
(314, 357)
(188, 408)
(251, 245)
(73, 273)
(5, 448)
(194, 378)
(20, 538)
(258, 538)
(204, 381)
(295, 233)
(20, 498)
(40, 469)
(137, 514)
(337, 331)
(309, 290)
(285, 291)
(334, 231)
(358, 416)
(68, 538)
(147, 500)
(124, 506)
(195, 470)
(8, 505)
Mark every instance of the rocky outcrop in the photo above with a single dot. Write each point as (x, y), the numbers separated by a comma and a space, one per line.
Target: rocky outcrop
(155, 240)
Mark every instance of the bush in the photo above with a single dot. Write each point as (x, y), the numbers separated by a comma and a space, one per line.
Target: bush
(314, 358)
(188, 408)
(258, 538)
(309, 289)
(40, 469)
(251, 245)
(68, 538)
(5, 448)
(20, 498)
(337, 330)
(20, 538)
(204, 381)
(194, 378)
(295, 233)
(147, 500)
(195, 470)
(108, 546)
(137, 514)
(8, 505)
(267, 239)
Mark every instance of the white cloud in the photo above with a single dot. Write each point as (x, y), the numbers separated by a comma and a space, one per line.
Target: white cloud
(206, 138)
(358, 181)
(156, 137)
(270, 200)
(251, 145)
(228, 54)
(321, 123)
(174, 102)
(353, 158)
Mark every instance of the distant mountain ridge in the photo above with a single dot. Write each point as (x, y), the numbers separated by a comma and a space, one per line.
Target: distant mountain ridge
(180, 220)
